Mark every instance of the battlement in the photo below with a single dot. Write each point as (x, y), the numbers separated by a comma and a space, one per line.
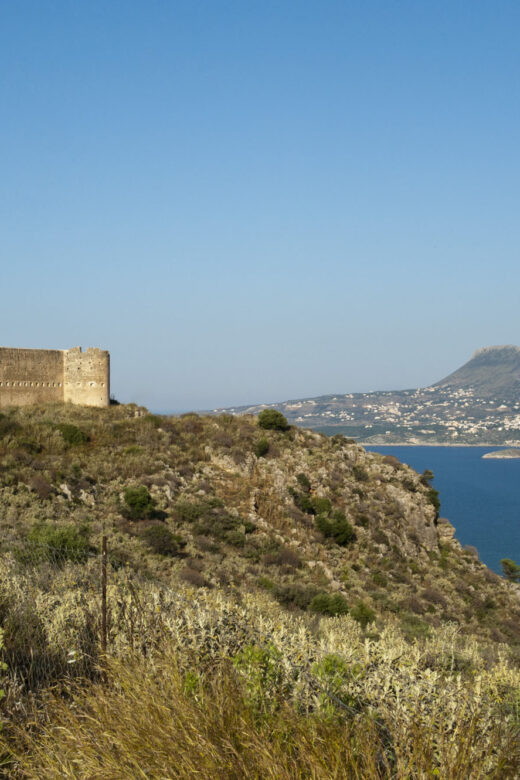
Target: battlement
(35, 376)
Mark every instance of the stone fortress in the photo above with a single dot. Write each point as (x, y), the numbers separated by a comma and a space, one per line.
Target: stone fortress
(44, 376)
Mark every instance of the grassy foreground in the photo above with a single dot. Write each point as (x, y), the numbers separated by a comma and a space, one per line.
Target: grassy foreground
(240, 688)
(152, 721)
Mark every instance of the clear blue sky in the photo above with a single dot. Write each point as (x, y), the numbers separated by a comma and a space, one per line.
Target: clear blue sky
(259, 200)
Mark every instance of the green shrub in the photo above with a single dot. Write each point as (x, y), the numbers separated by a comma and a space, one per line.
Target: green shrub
(426, 477)
(321, 505)
(323, 524)
(433, 498)
(329, 604)
(138, 503)
(334, 672)
(162, 541)
(409, 484)
(413, 627)
(283, 557)
(272, 420)
(336, 527)
(190, 511)
(302, 501)
(8, 426)
(222, 526)
(261, 448)
(342, 531)
(360, 473)
(304, 483)
(235, 537)
(134, 449)
(262, 671)
(511, 570)
(75, 471)
(265, 583)
(31, 446)
(72, 435)
(379, 579)
(294, 594)
(56, 543)
(363, 614)
(211, 518)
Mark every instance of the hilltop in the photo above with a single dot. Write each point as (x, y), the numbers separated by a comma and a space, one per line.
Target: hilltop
(492, 372)
(478, 403)
(284, 599)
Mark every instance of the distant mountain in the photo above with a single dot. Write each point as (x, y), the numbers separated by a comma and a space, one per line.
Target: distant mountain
(493, 372)
(478, 403)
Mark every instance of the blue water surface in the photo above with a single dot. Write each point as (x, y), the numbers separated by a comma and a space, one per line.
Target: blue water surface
(481, 498)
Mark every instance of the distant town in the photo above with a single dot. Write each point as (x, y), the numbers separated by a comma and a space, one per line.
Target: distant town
(478, 404)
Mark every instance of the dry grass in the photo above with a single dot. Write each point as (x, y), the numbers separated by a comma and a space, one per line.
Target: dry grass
(153, 721)
(200, 685)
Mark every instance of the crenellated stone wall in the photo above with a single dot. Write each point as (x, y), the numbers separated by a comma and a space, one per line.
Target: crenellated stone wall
(39, 376)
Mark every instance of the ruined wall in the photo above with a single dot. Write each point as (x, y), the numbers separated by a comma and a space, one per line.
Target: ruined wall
(40, 376)
(30, 376)
(86, 376)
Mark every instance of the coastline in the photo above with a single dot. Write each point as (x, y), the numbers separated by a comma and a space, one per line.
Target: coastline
(428, 444)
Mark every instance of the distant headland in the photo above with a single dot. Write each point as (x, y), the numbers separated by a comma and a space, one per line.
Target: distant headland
(478, 404)
(503, 454)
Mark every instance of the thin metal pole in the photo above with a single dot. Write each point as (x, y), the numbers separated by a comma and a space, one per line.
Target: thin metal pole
(104, 596)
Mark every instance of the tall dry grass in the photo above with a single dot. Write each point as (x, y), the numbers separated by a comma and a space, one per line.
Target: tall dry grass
(152, 720)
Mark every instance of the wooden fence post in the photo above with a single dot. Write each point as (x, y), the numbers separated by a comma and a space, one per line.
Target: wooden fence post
(104, 596)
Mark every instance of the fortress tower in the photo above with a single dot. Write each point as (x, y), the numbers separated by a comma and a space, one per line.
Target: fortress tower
(39, 376)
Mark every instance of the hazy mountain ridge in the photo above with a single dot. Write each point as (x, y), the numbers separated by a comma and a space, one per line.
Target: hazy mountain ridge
(493, 372)
(479, 403)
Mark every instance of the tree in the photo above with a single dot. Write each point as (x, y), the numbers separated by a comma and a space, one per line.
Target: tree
(426, 477)
(511, 570)
(271, 419)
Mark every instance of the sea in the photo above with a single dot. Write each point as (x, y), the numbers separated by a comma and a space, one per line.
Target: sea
(481, 498)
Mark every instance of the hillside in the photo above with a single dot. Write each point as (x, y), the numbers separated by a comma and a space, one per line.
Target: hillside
(311, 515)
(320, 572)
(478, 403)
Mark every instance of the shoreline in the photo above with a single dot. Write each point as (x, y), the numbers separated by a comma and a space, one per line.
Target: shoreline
(429, 444)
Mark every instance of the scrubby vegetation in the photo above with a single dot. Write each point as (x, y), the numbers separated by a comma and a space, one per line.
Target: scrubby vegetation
(306, 585)
(272, 420)
(511, 569)
(209, 495)
(203, 676)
